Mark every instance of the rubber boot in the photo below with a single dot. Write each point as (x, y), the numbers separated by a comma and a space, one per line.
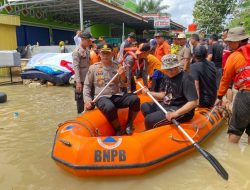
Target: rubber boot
(116, 126)
(131, 117)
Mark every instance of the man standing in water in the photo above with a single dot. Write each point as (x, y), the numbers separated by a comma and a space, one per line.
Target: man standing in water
(81, 63)
(237, 69)
(112, 98)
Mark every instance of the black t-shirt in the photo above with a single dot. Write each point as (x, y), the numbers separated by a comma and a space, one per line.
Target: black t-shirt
(205, 73)
(216, 50)
(179, 89)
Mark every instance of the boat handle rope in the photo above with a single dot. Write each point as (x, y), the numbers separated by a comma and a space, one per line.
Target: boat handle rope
(66, 143)
(200, 127)
(171, 136)
(80, 123)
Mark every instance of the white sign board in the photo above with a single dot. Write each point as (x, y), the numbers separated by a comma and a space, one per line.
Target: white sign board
(162, 22)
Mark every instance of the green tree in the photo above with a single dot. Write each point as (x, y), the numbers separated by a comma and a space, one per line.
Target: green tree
(211, 15)
(151, 6)
(241, 16)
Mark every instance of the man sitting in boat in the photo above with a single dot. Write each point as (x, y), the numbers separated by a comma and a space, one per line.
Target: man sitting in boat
(177, 92)
(112, 98)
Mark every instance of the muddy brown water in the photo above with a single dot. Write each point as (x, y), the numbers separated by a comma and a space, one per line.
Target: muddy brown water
(28, 122)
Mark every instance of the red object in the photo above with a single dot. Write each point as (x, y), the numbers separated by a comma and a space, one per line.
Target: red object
(192, 27)
(66, 64)
(131, 51)
(225, 55)
(242, 78)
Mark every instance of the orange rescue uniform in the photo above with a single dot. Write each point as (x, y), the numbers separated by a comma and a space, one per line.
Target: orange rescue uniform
(153, 63)
(94, 58)
(234, 63)
(162, 50)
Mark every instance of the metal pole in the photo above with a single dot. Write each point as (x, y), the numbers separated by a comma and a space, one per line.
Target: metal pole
(81, 14)
(123, 31)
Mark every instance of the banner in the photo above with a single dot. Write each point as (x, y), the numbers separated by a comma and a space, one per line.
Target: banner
(162, 22)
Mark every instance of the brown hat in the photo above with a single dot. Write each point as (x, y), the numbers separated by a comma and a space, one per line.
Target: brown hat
(237, 34)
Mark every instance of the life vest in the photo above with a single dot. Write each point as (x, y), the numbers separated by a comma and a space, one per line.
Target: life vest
(242, 78)
(225, 55)
(131, 51)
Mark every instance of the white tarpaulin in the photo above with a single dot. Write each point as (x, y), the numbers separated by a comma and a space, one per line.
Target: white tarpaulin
(52, 63)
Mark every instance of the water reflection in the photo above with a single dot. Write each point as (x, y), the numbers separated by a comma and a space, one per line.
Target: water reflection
(26, 142)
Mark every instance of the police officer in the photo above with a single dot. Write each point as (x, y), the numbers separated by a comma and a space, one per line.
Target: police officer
(81, 63)
(113, 97)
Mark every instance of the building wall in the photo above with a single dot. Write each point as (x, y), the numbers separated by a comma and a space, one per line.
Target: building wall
(100, 30)
(7, 37)
(7, 42)
(8, 25)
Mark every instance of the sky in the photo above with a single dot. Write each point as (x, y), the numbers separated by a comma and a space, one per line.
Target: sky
(180, 10)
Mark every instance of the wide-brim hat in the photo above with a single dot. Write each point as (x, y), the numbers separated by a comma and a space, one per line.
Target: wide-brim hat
(237, 34)
(169, 61)
(181, 36)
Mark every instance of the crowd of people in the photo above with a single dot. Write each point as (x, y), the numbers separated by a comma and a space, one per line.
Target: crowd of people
(183, 75)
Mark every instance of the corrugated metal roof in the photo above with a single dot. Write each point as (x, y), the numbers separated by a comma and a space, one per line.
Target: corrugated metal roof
(97, 11)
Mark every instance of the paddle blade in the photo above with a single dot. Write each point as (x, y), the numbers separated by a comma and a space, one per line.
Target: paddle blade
(217, 166)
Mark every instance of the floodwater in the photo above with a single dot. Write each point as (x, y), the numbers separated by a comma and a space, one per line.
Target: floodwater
(28, 122)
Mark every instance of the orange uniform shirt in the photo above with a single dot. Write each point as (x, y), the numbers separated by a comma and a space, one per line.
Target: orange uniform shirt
(162, 50)
(234, 62)
(94, 58)
(153, 63)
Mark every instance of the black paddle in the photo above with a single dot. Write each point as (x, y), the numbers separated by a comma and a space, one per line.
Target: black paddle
(217, 166)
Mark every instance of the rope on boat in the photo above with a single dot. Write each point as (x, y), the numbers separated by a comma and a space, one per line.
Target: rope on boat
(226, 115)
(80, 123)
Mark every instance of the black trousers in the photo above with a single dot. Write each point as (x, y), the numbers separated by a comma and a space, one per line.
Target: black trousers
(240, 121)
(154, 116)
(109, 106)
(79, 101)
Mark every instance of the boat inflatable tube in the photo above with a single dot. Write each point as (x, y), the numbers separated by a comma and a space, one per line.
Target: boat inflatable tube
(87, 145)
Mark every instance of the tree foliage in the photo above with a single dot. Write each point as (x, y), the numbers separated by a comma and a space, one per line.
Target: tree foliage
(211, 15)
(241, 16)
(151, 6)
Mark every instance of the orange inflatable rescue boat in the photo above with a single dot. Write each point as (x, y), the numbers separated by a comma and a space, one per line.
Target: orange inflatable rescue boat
(87, 146)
